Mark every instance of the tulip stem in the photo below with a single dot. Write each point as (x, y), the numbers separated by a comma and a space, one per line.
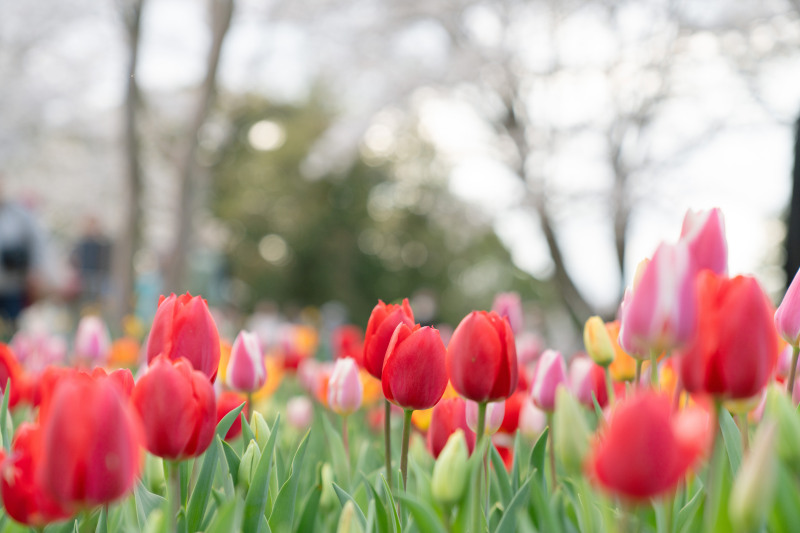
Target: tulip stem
(712, 491)
(552, 449)
(387, 440)
(654, 369)
(345, 440)
(404, 449)
(792, 371)
(638, 376)
(175, 499)
(249, 406)
(609, 386)
(476, 503)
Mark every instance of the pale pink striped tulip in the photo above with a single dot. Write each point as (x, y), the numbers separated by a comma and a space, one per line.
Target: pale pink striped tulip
(660, 313)
(787, 317)
(344, 387)
(550, 373)
(92, 340)
(246, 370)
(495, 411)
(704, 234)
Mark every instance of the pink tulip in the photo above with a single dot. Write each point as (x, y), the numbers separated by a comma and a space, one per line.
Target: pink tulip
(494, 416)
(532, 420)
(660, 312)
(299, 412)
(784, 362)
(92, 340)
(344, 387)
(550, 373)
(787, 317)
(509, 305)
(704, 233)
(585, 378)
(246, 368)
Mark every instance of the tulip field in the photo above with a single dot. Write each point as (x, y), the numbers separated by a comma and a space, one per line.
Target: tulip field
(680, 416)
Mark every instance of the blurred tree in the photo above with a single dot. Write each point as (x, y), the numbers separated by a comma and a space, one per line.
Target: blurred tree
(367, 233)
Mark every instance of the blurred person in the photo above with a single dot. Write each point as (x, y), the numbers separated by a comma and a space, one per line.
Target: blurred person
(91, 259)
(23, 259)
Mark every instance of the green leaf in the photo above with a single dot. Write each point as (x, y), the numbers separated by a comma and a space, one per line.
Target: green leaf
(344, 497)
(227, 518)
(256, 499)
(371, 520)
(516, 467)
(196, 509)
(102, 520)
(537, 457)
(232, 459)
(146, 503)
(381, 515)
(341, 465)
(464, 519)
(423, 515)
(503, 482)
(508, 524)
(732, 438)
(227, 421)
(597, 410)
(309, 514)
(247, 431)
(689, 511)
(4, 416)
(393, 506)
(283, 511)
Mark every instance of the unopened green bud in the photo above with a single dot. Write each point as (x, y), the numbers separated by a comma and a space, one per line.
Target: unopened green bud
(348, 522)
(780, 409)
(597, 341)
(450, 471)
(249, 464)
(328, 497)
(155, 481)
(156, 522)
(570, 431)
(753, 490)
(260, 429)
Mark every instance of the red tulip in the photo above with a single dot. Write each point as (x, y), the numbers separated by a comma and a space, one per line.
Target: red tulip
(10, 368)
(184, 327)
(448, 416)
(227, 402)
(382, 322)
(736, 346)
(587, 377)
(24, 498)
(414, 375)
(121, 377)
(348, 341)
(482, 358)
(91, 442)
(513, 408)
(177, 407)
(645, 450)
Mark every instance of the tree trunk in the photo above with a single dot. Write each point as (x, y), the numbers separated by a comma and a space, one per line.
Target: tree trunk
(188, 169)
(129, 240)
(792, 242)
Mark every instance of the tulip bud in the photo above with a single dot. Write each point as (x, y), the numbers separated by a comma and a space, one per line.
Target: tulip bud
(261, 430)
(494, 416)
(249, 464)
(414, 374)
(344, 387)
(509, 306)
(550, 373)
(156, 522)
(787, 317)
(246, 369)
(704, 233)
(587, 379)
(154, 473)
(597, 342)
(532, 420)
(183, 327)
(92, 340)
(328, 497)
(299, 412)
(450, 471)
(754, 487)
(446, 417)
(348, 522)
(780, 409)
(660, 312)
(570, 432)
